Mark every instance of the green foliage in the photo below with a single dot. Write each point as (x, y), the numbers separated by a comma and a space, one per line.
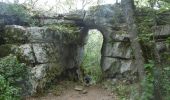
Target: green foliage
(147, 83)
(70, 28)
(165, 83)
(145, 24)
(69, 32)
(7, 92)
(122, 91)
(164, 4)
(92, 55)
(12, 70)
(168, 40)
(19, 12)
(151, 3)
(15, 73)
(120, 88)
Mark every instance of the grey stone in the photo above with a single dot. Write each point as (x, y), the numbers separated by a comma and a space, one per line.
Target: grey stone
(113, 66)
(120, 50)
(38, 77)
(44, 52)
(41, 35)
(163, 30)
(15, 34)
(53, 51)
(44, 73)
(26, 52)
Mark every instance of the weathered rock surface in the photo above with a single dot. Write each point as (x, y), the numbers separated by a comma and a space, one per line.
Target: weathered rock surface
(109, 20)
(53, 49)
(162, 31)
(44, 49)
(63, 46)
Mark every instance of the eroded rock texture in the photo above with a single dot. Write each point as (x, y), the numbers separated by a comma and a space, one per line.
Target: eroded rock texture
(47, 51)
(57, 46)
(109, 20)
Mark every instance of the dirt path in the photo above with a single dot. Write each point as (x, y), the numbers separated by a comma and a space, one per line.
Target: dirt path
(93, 93)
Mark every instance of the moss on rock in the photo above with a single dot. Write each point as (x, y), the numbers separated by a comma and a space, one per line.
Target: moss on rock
(7, 49)
(14, 34)
(69, 33)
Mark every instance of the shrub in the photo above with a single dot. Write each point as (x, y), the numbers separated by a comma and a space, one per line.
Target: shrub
(165, 83)
(7, 92)
(15, 73)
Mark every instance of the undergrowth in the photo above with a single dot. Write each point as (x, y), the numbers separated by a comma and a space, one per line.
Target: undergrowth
(92, 55)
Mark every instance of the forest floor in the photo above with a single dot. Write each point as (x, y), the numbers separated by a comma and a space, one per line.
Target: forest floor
(67, 91)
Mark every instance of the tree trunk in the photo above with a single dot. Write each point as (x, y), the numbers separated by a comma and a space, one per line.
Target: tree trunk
(128, 8)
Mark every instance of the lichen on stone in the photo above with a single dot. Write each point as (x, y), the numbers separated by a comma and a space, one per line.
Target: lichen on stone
(69, 33)
(14, 34)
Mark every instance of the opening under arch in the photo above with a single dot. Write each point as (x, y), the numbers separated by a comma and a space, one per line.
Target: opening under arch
(92, 55)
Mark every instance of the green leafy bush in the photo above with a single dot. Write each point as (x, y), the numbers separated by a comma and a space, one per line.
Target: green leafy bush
(147, 84)
(7, 92)
(165, 83)
(15, 73)
(12, 70)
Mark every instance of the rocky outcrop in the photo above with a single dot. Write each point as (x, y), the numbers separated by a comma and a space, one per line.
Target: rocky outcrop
(47, 51)
(117, 56)
(63, 44)
(58, 45)
(109, 20)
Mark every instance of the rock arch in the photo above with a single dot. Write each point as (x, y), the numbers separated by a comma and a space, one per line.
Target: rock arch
(109, 20)
(56, 45)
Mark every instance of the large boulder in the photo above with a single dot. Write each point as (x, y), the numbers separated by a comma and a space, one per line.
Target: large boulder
(47, 51)
(115, 66)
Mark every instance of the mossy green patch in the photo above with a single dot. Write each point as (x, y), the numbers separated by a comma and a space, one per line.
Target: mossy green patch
(54, 70)
(69, 33)
(14, 35)
(6, 49)
(121, 32)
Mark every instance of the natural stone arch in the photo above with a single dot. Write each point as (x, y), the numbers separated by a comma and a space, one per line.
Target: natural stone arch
(64, 55)
(92, 55)
(109, 20)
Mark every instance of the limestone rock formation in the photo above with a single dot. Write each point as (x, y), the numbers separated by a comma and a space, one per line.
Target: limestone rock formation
(44, 49)
(58, 45)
